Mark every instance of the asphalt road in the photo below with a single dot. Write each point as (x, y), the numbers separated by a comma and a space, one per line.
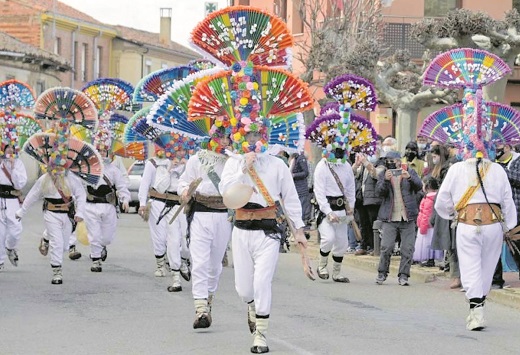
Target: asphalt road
(126, 310)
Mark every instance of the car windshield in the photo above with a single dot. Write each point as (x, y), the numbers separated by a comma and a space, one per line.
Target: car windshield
(137, 169)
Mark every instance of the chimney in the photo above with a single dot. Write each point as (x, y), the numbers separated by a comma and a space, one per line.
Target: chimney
(165, 33)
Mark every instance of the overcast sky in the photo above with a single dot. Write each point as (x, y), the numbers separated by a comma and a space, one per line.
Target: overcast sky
(145, 14)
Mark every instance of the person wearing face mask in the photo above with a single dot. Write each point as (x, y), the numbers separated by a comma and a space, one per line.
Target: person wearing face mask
(509, 160)
(100, 211)
(398, 212)
(366, 169)
(13, 178)
(411, 158)
(389, 144)
(423, 147)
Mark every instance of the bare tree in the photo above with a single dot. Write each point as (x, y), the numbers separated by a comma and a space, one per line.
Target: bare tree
(464, 28)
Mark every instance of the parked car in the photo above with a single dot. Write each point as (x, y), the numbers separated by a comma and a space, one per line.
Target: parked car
(135, 174)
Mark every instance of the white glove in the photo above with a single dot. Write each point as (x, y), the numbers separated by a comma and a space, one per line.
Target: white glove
(332, 217)
(18, 214)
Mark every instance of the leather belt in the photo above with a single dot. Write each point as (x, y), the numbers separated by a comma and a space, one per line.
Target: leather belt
(213, 202)
(167, 196)
(337, 203)
(61, 207)
(243, 214)
(480, 214)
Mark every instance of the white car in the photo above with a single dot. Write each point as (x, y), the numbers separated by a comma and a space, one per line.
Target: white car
(135, 174)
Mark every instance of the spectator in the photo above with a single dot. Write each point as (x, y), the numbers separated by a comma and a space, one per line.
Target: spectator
(398, 212)
(423, 146)
(300, 173)
(411, 158)
(389, 144)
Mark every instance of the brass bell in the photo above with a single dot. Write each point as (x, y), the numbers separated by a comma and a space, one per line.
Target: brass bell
(478, 216)
(462, 216)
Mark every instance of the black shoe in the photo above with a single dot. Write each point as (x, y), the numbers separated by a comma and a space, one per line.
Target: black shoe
(428, 263)
(282, 249)
(73, 253)
(259, 349)
(202, 321)
(175, 289)
(104, 254)
(307, 236)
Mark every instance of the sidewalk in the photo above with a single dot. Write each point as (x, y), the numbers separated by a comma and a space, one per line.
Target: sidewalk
(508, 296)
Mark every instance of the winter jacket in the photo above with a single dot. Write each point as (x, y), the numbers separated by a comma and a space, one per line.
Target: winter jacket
(409, 188)
(300, 173)
(425, 212)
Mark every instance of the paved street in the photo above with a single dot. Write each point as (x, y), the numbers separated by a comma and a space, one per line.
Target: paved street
(126, 310)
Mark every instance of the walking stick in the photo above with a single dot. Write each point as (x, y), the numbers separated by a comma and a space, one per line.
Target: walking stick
(191, 190)
(307, 269)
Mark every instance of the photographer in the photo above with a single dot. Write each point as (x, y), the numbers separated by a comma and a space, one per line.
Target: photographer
(398, 212)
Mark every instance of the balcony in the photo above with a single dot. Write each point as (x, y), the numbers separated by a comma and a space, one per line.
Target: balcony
(396, 36)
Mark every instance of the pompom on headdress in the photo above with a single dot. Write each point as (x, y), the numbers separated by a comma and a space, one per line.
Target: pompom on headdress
(337, 127)
(473, 126)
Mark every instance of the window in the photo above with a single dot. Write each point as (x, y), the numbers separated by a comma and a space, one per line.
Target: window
(97, 64)
(75, 60)
(57, 46)
(147, 67)
(439, 8)
(84, 52)
(297, 22)
(40, 87)
(280, 9)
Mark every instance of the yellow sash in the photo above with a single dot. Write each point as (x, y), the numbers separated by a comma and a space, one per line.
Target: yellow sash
(470, 191)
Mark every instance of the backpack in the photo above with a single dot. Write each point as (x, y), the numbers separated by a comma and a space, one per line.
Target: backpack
(162, 177)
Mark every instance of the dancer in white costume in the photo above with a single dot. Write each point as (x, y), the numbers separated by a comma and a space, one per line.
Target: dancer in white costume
(209, 229)
(159, 189)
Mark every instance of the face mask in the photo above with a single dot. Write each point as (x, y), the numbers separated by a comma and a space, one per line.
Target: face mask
(339, 153)
(436, 160)
(410, 156)
(421, 146)
(391, 165)
(372, 159)
(499, 153)
(387, 148)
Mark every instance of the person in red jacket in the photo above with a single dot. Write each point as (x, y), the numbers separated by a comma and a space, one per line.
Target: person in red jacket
(423, 252)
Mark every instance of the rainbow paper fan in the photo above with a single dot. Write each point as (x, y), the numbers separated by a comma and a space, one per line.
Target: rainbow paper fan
(134, 150)
(444, 125)
(271, 92)
(352, 92)
(465, 67)
(81, 158)
(505, 123)
(152, 86)
(15, 94)
(26, 126)
(110, 94)
(81, 133)
(66, 104)
(171, 142)
(170, 112)
(144, 129)
(243, 33)
(130, 135)
(287, 133)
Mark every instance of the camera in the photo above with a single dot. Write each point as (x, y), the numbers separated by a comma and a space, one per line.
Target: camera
(396, 172)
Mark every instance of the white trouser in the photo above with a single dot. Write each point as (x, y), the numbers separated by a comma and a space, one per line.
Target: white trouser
(10, 227)
(101, 222)
(59, 228)
(478, 256)
(166, 237)
(209, 237)
(334, 236)
(73, 240)
(254, 257)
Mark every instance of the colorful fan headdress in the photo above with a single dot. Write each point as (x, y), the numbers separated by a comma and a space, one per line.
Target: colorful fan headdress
(154, 85)
(338, 127)
(474, 125)
(79, 157)
(244, 98)
(16, 98)
(110, 95)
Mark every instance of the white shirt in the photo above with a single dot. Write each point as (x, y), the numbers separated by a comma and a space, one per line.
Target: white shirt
(75, 186)
(197, 167)
(463, 174)
(118, 163)
(18, 174)
(148, 179)
(325, 185)
(276, 177)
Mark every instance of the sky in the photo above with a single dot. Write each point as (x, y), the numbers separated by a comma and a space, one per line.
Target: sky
(145, 14)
